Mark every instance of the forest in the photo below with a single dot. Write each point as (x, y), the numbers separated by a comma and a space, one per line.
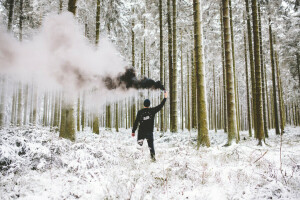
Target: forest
(74, 75)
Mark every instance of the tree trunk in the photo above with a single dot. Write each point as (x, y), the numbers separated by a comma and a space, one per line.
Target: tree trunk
(275, 114)
(174, 71)
(188, 95)
(97, 22)
(233, 65)
(170, 60)
(2, 103)
(231, 112)
(252, 69)
(78, 113)
(67, 129)
(194, 95)
(161, 59)
(262, 73)
(25, 104)
(21, 21)
(19, 119)
(203, 138)
(247, 88)
(224, 72)
(182, 84)
(279, 91)
(259, 105)
(72, 6)
(10, 14)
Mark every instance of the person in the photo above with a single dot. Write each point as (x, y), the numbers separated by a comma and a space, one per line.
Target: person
(145, 120)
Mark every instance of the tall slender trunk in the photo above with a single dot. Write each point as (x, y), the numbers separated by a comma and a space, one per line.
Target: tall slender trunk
(19, 116)
(231, 112)
(72, 6)
(2, 103)
(224, 72)
(67, 129)
(247, 88)
(233, 65)
(281, 109)
(97, 22)
(252, 68)
(174, 71)
(78, 113)
(215, 101)
(182, 83)
(25, 104)
(21, 21)
(161, 59)
(273, 79)
(83, 112)
(188, 95)
(170, 34)
(259, 104)
(203, 138)
(10, 14)
(194, 94)
(262, 72)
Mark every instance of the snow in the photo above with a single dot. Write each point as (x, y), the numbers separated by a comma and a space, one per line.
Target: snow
(36, 164)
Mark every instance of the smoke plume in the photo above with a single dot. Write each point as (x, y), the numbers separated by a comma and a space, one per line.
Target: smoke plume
(59, 56)
(129, 80)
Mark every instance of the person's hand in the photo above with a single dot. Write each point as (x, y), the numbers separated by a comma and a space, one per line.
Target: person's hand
(166, 94)
(132, 134)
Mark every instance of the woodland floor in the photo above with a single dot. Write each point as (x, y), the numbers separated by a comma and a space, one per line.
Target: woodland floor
(36, 164)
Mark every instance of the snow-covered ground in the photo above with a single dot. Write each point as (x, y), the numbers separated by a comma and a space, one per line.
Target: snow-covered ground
(36, 164)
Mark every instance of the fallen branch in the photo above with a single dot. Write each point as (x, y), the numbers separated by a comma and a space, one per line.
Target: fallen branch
(261, 157)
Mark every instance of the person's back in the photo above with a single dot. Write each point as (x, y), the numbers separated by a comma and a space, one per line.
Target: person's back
(145, 119)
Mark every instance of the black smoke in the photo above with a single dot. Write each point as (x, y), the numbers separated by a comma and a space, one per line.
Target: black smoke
(129, 80)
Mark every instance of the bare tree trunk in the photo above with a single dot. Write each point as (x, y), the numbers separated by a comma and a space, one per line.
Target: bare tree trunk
(174, 71)
(25, 104)
(203, 138)
(252, 68)
(273, 79)
(19, 119)
(10, 14)
(161, 59)
(2, 103)
(247, 88)
(231, 112)
(224, 72)
(170, 35)
(259, 104)
(72, 6)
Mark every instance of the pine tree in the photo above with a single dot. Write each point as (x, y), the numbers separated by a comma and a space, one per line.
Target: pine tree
(259, 104)
(2, 103)
(174, 128)
(231, 112)
(161, 59)
(10, 14)
(203, 138)
(252, 69)
(170, 61)
(224, 72)
(262, 72)
(247, 88)
(67, 129)
(274, 99)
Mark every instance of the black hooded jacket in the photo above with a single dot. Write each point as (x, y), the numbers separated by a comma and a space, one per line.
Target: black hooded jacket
(145, 117)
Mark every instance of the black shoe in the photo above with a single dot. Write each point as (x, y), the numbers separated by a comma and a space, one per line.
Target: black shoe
(153, 158)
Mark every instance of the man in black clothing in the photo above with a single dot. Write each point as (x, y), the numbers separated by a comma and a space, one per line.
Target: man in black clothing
(145, 117)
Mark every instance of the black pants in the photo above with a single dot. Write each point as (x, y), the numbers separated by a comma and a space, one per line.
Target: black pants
(149, 138)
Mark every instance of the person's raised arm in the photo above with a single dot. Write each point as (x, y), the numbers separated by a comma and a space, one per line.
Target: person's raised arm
(159, 107)
(135, 125)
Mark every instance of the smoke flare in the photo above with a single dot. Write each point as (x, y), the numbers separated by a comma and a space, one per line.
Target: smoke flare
(129, 80)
